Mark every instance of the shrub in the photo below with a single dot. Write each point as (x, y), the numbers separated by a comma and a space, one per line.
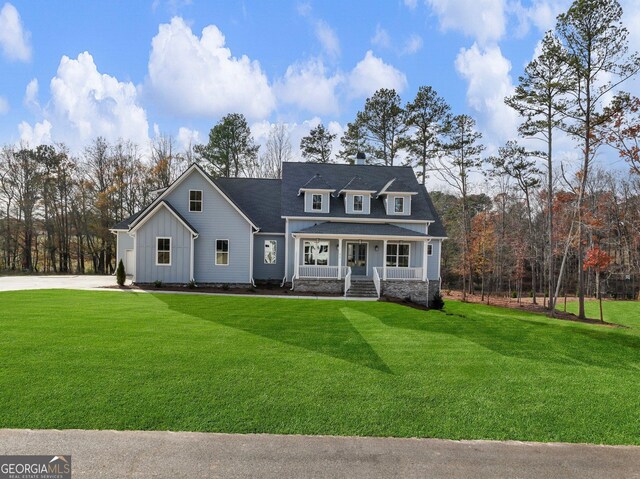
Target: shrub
(192, 284)
(437, 302)
(514, 294)
(225, 286)
(121, 275)
(157, 283)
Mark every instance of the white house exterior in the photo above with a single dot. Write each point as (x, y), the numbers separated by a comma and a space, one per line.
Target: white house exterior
(342, 229)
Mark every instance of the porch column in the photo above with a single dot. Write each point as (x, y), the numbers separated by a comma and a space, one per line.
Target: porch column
(424, 260)
(339, 258)
(384, 260)
(296, 258)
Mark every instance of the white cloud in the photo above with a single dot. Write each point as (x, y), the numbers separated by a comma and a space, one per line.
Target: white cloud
(308, 86)
(188, 137)
(543, 13)
(483, 20)
(38, 134)
(381, 37)
(371, 73)
(31, 95)
(4, 105)
(411, 4)
(85, 104)
(412, 45)
(199, 76)
(328, 39)
(14, 39)
(487, 73)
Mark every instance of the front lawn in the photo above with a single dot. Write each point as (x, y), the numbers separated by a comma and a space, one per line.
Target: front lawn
(109, 360)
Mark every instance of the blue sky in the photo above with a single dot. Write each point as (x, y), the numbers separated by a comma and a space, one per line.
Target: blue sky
(75, 70)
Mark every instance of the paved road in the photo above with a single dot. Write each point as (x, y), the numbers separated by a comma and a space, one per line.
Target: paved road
(136, 454)
(17, 283)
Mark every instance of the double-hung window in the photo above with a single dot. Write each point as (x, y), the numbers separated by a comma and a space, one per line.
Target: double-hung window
(195, 200)
(270, 251)
(398, 255)
(316, 253)
(316, 202)
(163, 251)
(357, 202)
(429, 249)
(398, 205)
(222, 252)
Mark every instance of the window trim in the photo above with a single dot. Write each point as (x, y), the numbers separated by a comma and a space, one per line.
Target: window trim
(353, 204)
(395, 204)
(429, 249)
(275, 251)
(313, 195)
(398, 255)
(228, 252)
(201, 200)
(315, 263)
(169, 251)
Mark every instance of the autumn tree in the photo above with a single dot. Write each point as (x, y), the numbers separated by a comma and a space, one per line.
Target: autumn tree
(598, 260)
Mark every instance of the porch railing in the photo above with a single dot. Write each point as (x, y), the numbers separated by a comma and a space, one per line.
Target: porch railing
(347, 280)
(376, 281)
(321, 272)
(405, 274)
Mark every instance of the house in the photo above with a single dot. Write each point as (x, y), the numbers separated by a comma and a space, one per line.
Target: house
(333, 228)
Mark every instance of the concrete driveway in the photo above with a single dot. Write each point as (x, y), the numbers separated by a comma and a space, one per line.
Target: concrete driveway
(16, 283)
(139, 454)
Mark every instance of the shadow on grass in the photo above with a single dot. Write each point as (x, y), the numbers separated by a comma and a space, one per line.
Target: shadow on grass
(526, 337)
(318, 329)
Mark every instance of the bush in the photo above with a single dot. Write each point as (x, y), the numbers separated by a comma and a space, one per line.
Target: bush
(157, 283)
(192, 284)
(225, 286)
(121, 275)
(514, 294)
(437, 302)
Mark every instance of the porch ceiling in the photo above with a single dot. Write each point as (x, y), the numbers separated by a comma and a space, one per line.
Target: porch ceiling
(360, 230)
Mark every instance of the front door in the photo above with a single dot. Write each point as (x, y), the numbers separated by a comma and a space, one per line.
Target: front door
(357, 258)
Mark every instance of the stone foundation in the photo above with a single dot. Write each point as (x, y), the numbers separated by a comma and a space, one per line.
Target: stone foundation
(332, 286)
(414, 291)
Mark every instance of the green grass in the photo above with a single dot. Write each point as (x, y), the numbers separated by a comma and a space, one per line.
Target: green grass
(103, 360)
(626, 313)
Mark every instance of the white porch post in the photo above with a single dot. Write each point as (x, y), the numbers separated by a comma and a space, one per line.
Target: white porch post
(424, 260)
(384, 260)
(296, 258)
(339, 258)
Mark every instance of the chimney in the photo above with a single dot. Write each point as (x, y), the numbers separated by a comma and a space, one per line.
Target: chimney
(360, 157)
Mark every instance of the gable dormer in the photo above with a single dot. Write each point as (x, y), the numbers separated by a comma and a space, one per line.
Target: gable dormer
(357, 197)
(317, 195)
(397, 198)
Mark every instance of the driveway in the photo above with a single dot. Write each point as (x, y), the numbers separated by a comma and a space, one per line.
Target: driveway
(87, 281)
(139, 454)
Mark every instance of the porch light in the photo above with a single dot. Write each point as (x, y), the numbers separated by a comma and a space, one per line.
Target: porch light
(376, 248)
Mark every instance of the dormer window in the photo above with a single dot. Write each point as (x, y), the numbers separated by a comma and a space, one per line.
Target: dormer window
(316, 202)
(398, 205)
(357, 203)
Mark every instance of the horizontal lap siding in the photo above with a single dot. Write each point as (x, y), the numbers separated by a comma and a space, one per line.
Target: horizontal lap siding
(163, 224)
(218, 220)
(262, 271)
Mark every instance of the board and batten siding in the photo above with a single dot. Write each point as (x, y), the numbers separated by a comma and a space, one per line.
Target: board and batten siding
(125, 242)
(217, 220)
(262, 271)
(163, 224)
(433, 270)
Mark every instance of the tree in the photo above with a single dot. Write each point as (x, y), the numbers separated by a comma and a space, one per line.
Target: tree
(317, 145)
(354, 140)
(384, 125)
(596, 48)
(622, 130)
(231, 151)
(539, 99)
(426, 117)
(515, 162)
(121, 276)
(278, 150)
(463, 157)
(599, 261)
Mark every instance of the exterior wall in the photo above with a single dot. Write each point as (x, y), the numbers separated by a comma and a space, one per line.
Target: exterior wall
(433, 269)
(163, 224)
(330, 286)
(218, 220)
(417, 227)
(262, 271)
(308, 201)
(366, 203)
(390, 201)
(125, 242)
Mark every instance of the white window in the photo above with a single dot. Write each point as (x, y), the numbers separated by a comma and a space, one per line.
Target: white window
(195, 200)
(398, 205)
(357, 202)
(429, 249)
(316, 202)
(316, 253)
(222, 252)
(270, 251)
(163, 251)
(398, 255)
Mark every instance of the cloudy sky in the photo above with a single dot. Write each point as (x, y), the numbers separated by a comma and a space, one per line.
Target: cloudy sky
(71, 71)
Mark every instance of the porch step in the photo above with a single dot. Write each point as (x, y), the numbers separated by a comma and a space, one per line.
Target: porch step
(362, 289)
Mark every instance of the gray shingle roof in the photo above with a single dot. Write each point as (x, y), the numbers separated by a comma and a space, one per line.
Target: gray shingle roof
(316, 182)
(259, 199)
(124, 224)
(357, 184)
(399, 186)
(361, 229)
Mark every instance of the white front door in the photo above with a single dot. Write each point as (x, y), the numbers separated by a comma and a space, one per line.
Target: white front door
(129, 262)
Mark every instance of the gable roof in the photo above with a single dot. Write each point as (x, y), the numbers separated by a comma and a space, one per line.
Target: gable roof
(124, 224)
(142, 219)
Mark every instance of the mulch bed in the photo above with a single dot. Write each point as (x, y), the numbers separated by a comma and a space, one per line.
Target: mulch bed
(257, 291)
